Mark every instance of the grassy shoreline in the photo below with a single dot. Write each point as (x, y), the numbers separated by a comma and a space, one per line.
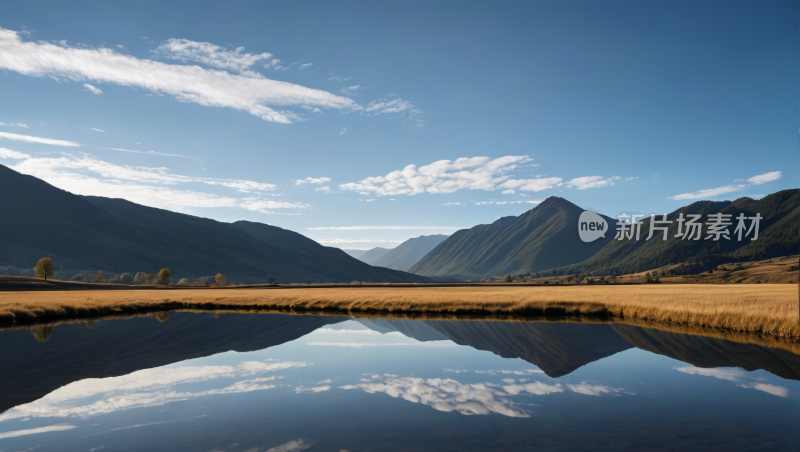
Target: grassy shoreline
(766, 310)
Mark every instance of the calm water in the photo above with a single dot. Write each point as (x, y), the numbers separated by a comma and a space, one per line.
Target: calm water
(247, 382)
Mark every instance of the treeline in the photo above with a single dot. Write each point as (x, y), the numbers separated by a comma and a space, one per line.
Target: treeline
(45, 268)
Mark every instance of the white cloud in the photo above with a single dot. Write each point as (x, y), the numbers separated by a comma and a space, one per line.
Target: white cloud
(445, 395)
(379, 106)
(344, 131)
(303, 66)
(30, 139)
(9, 154)
(339, 79)
(508, 192)
(210, 55)
(764, 178)
(779, 391)
(500, 203)
(363, 228)
(582, 183)
(447, 176)
(312, 180)
(585, 388)
(96, 130)
(19, 124)
(33, 431)
(150, 186)
(92, 89)
(323, 189)
(258, 96)
(708, 193)
(151, 153)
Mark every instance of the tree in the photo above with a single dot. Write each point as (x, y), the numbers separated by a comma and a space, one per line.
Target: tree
(272, 280)
(44, 268)
(221, 281)
(126, 278)
(140, 278)
(509, 278)
(165, 275)
(149, 278)
(98, 277)
(184, 282)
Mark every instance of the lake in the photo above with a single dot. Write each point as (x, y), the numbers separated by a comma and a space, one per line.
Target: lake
(279, 383)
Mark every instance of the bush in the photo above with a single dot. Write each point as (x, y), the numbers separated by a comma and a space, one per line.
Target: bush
(183, 282)
(356, 282)
(126, 278)
(140, 278)
(44, 268)
(509, 278)
(272, 281)
(98, 277)
(165, 275)
(220, 280)
(205, 281)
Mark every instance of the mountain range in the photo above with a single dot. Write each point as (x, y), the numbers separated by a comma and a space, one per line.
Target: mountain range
(115, 235)
(408, 253)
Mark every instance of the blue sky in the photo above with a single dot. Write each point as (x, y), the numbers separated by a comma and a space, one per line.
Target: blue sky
(405, 118)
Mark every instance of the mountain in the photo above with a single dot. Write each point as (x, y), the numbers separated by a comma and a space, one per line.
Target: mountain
(543, 238)
(409, 252)
(778, 235)
(355, 253)
(114, 235)
(371, 256)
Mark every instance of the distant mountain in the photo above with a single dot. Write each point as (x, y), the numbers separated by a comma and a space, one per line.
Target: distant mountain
(779, 235)
(114, 235)
(409, 252)
(372, 256)
(355, 253)
(543, 238)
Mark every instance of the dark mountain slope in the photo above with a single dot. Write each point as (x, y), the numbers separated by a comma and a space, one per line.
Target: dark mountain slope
(778, 236)
(117, 235)
(409, 252)
(545, 237)
(371, 256)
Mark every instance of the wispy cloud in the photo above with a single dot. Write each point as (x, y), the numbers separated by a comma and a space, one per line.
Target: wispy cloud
(19, 124)
(303, 66)
(427, 344)
(337, 78)
(345, 241)
(764, 178)
(582, 183)
(300, 389)
(448, 176)
(379, 106)
(39, 140)
(500, 203)
(261, 97)
(9, 154)
(351, 89)
(151, 153)
(92, 89)
(211, 55)
(713, 192)
(33, 431)
(735, 376)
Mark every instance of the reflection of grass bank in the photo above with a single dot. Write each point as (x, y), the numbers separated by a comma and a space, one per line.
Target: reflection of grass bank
(769, 310)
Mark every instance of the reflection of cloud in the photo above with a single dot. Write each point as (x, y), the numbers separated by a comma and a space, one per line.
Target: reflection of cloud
(144, 388)
(509, 372)
(445, 395)
(430, 344)
(33, 431)
(779, 391)
(292, 446)
(300, 389)
(595, 390)
(325, 381)
(359, 332)
(536, 388)
(736, 377)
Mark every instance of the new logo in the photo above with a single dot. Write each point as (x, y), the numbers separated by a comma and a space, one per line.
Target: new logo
(591, 226)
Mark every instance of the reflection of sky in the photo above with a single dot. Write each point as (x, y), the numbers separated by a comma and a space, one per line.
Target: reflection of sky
(374, 372)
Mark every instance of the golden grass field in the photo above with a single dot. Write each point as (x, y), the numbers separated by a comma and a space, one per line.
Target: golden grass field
(768, 310)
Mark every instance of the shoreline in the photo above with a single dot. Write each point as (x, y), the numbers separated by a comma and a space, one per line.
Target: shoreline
(763, 310)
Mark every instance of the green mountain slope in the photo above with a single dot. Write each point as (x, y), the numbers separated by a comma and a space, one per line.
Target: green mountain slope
(778, 236)
(543, 238)
(409, 252)
(114, 235)
(371, 256)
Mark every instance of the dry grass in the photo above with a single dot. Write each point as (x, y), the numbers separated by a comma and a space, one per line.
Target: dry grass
(770, 310)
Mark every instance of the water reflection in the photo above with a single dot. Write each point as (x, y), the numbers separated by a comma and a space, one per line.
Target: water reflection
(272, 382)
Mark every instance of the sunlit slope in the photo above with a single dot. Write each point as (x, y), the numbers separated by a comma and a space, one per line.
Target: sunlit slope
(114, 235)
(778, 236)
(543, 238)
(409, 252)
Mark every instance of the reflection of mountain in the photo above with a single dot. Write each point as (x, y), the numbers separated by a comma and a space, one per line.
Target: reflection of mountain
(556, 348)
(711, 352)
(32, 369)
